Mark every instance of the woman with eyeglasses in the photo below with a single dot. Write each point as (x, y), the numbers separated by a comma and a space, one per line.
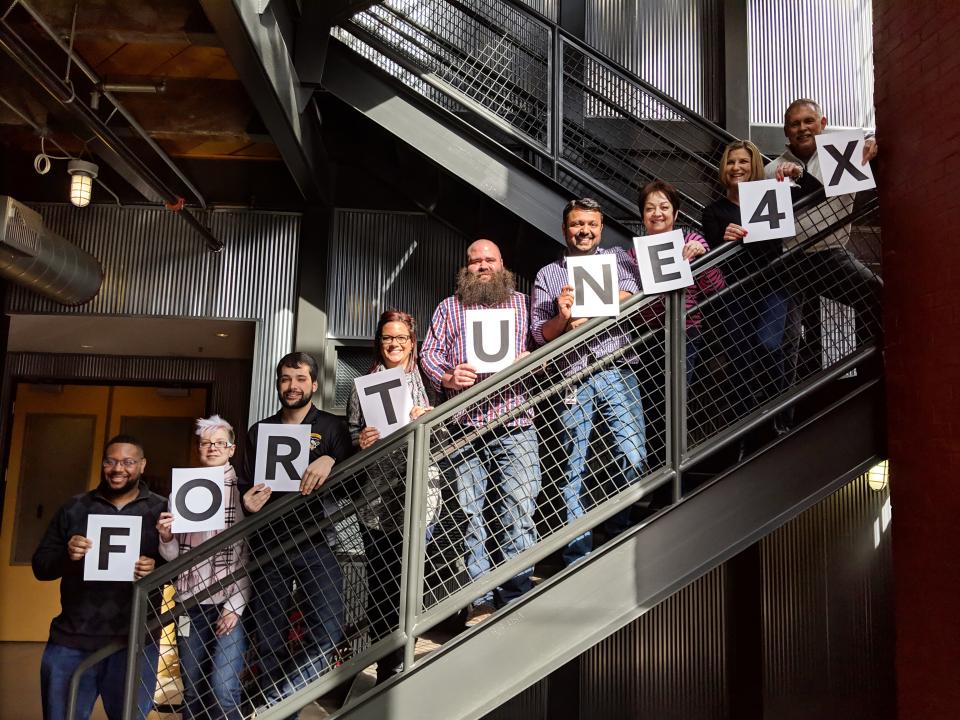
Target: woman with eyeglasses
(211, 640)
(381, 515)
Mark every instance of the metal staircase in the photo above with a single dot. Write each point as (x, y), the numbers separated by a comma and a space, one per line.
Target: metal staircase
(530, 116)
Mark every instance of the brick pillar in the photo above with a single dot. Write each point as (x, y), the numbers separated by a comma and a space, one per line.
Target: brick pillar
(917, 58)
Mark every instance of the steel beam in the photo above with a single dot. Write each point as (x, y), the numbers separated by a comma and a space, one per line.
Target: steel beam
(537, 200)
(257, 49)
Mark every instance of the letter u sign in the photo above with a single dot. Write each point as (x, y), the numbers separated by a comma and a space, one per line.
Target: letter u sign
(491, 338)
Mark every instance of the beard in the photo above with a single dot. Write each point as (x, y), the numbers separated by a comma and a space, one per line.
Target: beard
(110, 492)
(473, 290)
(296, 404)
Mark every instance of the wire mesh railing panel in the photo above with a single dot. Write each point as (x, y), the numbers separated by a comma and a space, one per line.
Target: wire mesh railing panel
(624, 136)
(481, 51)
(520, 464)
(315, 586)
(785, 315)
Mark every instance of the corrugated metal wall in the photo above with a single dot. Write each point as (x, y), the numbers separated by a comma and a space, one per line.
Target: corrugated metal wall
(827, 606)
(668, 664)
(379, 260)
(156, 266)
(822, 49)
(675, 45)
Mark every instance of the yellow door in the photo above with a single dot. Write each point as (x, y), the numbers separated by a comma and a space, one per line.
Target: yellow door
(56, 444)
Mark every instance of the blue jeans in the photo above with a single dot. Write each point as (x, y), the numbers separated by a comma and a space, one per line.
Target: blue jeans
(210, 666)
(506, 462)
(615, 394)
(105, 679)
(755, 330)
(319, 599)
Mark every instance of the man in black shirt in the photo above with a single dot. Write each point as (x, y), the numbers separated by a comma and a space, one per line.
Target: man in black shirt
(97, 613)
(311, 566)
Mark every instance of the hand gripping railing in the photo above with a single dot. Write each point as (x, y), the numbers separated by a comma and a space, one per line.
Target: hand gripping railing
(378, 553)
(567, 110)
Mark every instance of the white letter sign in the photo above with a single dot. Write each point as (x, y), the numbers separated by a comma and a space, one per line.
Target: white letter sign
(661, 263)
(491, 343)
(841, 158)
(196, 499)
(596, 287)
(766, 210)
(385, 400)
(283, 453)
(116, 547)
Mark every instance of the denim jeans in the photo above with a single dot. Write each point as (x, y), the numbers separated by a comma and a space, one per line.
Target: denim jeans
(210, 666)
(755, 328)
(615, 394)
(504, 464)
(319, 598)
(105, 679)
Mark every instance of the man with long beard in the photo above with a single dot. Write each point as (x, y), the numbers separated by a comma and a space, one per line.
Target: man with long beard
(505, 461)
(310, 568)
(95, 613)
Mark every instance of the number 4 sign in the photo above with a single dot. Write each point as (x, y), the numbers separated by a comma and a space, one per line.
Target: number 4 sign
(766, 210)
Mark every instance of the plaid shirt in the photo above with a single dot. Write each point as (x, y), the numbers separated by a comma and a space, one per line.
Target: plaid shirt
(445, 347)
(543, 307)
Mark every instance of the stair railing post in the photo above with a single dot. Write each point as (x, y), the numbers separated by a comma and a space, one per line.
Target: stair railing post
(135, 647)
(411, 569)
(555, 94)
(675, 376)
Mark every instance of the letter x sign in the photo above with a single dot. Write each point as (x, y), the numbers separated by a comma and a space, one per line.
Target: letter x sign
(841, 158)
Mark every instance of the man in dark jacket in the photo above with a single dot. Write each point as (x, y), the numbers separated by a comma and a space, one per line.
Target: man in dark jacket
(97, 613)
(310, 566)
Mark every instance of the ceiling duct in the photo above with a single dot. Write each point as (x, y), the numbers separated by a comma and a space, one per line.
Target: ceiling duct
(42, 261)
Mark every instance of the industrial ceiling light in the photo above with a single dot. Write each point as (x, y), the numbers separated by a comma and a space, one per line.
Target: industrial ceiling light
(82, 174)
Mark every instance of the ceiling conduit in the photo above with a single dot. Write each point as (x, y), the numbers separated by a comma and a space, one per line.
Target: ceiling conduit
(42, 261)
(27, 59)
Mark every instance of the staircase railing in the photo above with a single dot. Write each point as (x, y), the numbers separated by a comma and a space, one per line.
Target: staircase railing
(570, 112)
(379, 597)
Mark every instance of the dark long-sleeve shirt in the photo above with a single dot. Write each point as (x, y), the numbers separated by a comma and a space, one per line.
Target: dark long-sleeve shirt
(94, 613)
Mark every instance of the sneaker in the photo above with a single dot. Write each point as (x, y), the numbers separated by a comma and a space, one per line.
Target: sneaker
(478, 613)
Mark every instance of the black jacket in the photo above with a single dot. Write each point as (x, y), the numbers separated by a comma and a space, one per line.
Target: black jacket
(94, 614)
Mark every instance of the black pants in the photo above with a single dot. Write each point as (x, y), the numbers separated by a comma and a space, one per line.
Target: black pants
(384, 551)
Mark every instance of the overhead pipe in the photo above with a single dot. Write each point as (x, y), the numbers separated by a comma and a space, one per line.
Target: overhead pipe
(26, 58)
(42, 261)
(104, 90)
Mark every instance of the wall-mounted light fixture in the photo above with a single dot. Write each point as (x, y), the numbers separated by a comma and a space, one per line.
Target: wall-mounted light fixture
(82, 174)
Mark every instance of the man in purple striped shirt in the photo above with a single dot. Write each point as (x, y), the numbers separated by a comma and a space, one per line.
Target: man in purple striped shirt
(613, 391)
(506, 459)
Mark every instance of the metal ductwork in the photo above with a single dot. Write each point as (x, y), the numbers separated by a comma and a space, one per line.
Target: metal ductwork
(42, 261)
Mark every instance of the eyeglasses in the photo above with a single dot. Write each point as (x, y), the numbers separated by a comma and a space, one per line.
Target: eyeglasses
(399, 339)
(128, 463)
(218, 444)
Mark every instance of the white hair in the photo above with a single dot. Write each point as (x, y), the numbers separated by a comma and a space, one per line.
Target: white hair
(214, 422)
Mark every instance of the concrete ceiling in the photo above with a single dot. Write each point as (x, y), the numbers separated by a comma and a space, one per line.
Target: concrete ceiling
(153, 337)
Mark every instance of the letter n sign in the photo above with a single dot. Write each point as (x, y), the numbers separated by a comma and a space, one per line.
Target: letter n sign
(766, 210)
(841, 158)
(196, 499)
(491, 338)
(283, 453)
(596, 287)
(116, 547)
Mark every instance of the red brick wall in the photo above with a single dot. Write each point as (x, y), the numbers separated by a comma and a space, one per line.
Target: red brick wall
(917, 58)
